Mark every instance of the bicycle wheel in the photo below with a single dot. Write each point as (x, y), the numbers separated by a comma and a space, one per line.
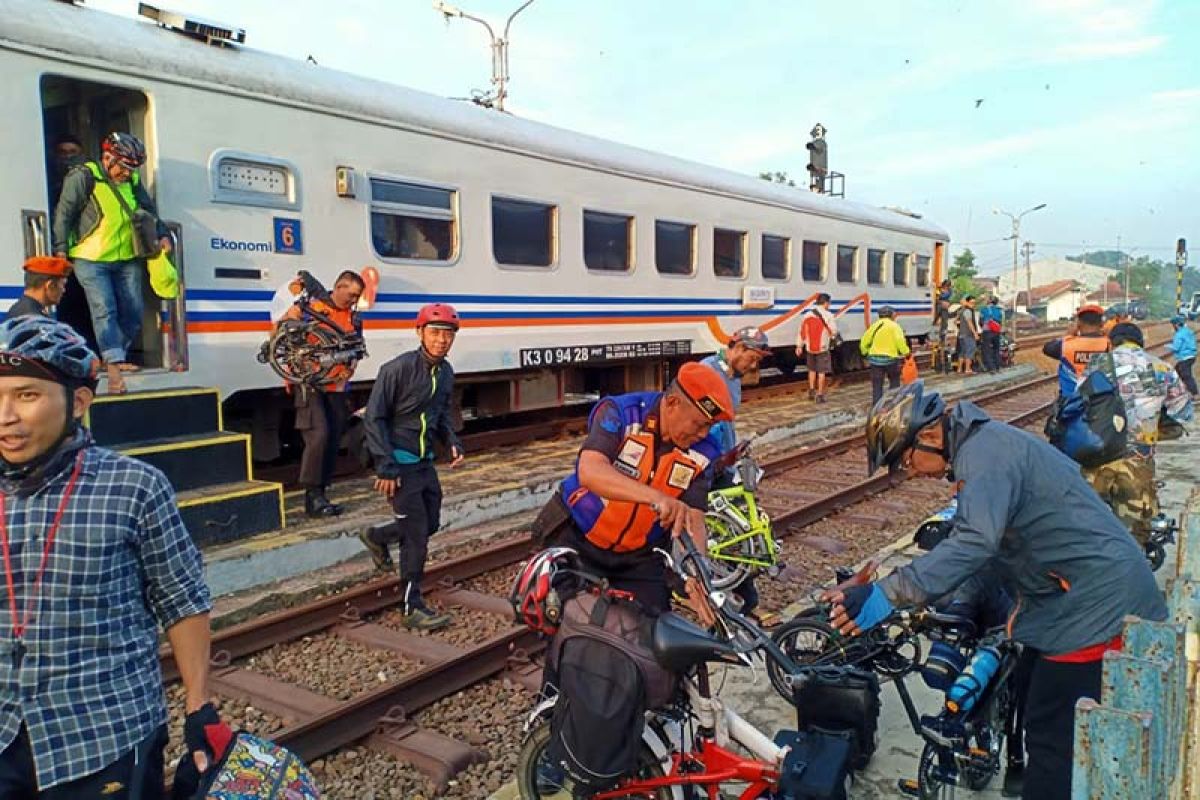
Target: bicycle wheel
(806, 640)
(539, 780)
(987, 740)
(1156, 555)
(728, 572)
(929, 778)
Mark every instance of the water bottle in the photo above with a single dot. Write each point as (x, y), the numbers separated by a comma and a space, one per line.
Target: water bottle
(974, 679)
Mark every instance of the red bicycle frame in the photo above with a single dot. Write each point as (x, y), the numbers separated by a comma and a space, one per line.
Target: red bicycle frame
(716, 766)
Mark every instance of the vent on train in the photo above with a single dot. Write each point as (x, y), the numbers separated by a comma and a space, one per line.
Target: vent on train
(196, 27)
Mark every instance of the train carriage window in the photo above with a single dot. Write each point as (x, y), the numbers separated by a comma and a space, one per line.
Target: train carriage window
(900, 269)
(922, 270)
(252, 180)
(813, 266)
(729, 253)
(607, 241)
(413, 221)
(674, 247)
(847, 263)
(875, 267)
(776, 257)
(523, 232)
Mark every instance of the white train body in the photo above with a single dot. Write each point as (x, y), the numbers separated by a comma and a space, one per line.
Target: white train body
(254, 155)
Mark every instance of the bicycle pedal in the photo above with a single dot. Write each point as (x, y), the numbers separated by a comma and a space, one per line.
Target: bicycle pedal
(908, 787)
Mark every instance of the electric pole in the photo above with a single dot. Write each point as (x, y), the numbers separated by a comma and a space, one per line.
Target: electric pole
(1180, 265)
(1028, 248)
(1016, 234)
(499, 49)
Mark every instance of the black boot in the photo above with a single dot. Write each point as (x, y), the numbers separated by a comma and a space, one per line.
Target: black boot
(316, 505)
(1014, 778)
(338, 508)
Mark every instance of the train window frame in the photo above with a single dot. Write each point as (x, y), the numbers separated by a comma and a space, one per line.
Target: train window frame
(922, 280)
(823, 267)
(555, 212)
(630, 243)
(882, 266)
(742, 239)
(291, 200)
(694, 230)
(907, 268)
(451, 215)
(853, 248)
(787, 257)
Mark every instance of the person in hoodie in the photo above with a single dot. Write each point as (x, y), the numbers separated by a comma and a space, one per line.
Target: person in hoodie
(1072, 569)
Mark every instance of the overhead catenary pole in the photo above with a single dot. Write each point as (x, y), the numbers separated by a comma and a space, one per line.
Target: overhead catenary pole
(1180, 266)
(499, 47)
(1028, 249)
(1016, 235)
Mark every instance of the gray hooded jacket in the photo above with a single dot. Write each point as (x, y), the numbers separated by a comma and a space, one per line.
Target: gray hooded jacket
(1071, 567)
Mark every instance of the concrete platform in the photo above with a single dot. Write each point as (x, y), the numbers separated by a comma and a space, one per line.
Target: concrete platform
(493, 492)
(751, 694)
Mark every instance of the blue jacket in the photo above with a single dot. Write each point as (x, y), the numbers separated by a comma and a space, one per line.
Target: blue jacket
(991, 312)
(1183, 343)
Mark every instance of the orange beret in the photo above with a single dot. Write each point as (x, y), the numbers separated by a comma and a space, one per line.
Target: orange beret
(705, 387)
(1090, 308)
(48, 265)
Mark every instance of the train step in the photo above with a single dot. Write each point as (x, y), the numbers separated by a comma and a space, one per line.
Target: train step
(231, 511)
(122, 420)
(200, 460)
(179, 431)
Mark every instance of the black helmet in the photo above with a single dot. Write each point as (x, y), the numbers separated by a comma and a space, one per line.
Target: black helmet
(1124, 332)
(895, 420)
(886, 311)
(126, 148)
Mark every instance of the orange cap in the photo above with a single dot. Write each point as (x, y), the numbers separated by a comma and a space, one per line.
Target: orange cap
(1090, 308)
(705, 387)
(48, 265)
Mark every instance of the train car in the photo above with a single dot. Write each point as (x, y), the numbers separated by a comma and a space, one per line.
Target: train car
(580, 265)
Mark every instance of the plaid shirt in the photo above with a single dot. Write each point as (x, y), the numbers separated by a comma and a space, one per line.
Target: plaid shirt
(89, 687)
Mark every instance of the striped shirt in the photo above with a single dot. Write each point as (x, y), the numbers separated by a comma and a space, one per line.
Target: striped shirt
(88, 686)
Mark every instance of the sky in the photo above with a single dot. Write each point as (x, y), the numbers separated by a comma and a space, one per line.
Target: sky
(1089, 106)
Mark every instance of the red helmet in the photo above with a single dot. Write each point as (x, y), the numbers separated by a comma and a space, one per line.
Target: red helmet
(535, 597)
(439, 315)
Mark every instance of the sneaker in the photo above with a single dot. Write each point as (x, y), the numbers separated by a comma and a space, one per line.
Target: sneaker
(821, 398)
(379, 552)
(812, 394)
(422, 618)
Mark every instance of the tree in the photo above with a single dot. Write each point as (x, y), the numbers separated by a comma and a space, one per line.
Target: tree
(1101, 258)
(962, 276)
(777, 177)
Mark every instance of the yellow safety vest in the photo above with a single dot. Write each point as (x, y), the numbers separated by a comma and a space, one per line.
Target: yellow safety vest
(112, 238)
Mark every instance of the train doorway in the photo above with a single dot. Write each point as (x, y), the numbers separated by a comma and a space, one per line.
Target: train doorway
(76, 116)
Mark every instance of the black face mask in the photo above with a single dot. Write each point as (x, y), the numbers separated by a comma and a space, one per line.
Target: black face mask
(64, 163)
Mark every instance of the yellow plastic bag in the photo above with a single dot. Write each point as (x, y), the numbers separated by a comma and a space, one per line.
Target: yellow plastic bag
(164, 278)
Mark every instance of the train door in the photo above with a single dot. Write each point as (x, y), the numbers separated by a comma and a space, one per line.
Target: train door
(76, 116)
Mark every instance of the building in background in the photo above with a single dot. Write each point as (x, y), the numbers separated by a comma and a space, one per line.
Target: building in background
(1048, 271)
(1054, 301)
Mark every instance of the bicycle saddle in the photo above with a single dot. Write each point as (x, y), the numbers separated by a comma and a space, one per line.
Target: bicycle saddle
(679, 645)
(952, 622)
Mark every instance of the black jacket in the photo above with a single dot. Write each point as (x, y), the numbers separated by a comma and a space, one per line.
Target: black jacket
(409, 409)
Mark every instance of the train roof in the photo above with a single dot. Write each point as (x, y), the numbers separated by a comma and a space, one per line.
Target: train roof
(119, 43)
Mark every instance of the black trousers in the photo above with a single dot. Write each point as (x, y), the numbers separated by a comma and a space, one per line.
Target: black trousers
(137, 775)
(1054, 687)
(642, 573)
(1184, 368)
(878, 372)
(417, 506)
(990, 351)
(320, 418)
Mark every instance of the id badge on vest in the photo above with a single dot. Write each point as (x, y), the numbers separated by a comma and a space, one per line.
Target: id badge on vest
(629, 460)
(681, 476)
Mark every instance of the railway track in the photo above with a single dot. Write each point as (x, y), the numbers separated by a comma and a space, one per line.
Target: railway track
(419, 671)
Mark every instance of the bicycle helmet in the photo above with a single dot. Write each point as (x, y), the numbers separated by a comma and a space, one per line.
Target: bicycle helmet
(1124, 332)
(43, 348)
(126, 148)
(895, 420)
(751, 337)
(535, 594)
(439, 315)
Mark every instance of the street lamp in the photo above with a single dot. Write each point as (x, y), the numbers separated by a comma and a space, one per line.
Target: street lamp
(499, 47)
(1016, 233)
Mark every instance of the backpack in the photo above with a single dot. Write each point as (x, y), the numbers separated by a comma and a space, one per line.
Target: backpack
(607, 678)
(256, 769)
(1090, 425)
(845, 700)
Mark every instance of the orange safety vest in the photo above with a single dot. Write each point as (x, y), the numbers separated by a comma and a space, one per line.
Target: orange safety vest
(621, 526)
(1077, 353)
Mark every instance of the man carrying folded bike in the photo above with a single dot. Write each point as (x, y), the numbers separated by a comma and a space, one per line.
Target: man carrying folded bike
(1024, 508)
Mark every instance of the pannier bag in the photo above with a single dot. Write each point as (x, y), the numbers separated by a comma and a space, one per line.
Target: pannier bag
(1090, 425)
(842, 699)
(817, 767)
(256, 769)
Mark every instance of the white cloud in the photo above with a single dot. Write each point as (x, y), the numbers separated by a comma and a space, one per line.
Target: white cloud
(1107, 48)
(1176, 96)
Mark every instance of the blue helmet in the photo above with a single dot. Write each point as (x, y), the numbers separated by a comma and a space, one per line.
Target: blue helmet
(1178, 319)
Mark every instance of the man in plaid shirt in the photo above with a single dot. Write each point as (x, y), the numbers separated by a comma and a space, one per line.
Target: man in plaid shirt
(95, 558)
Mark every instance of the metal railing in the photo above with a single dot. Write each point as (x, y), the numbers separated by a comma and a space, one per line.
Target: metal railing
(1142, 740)
(173, 321)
